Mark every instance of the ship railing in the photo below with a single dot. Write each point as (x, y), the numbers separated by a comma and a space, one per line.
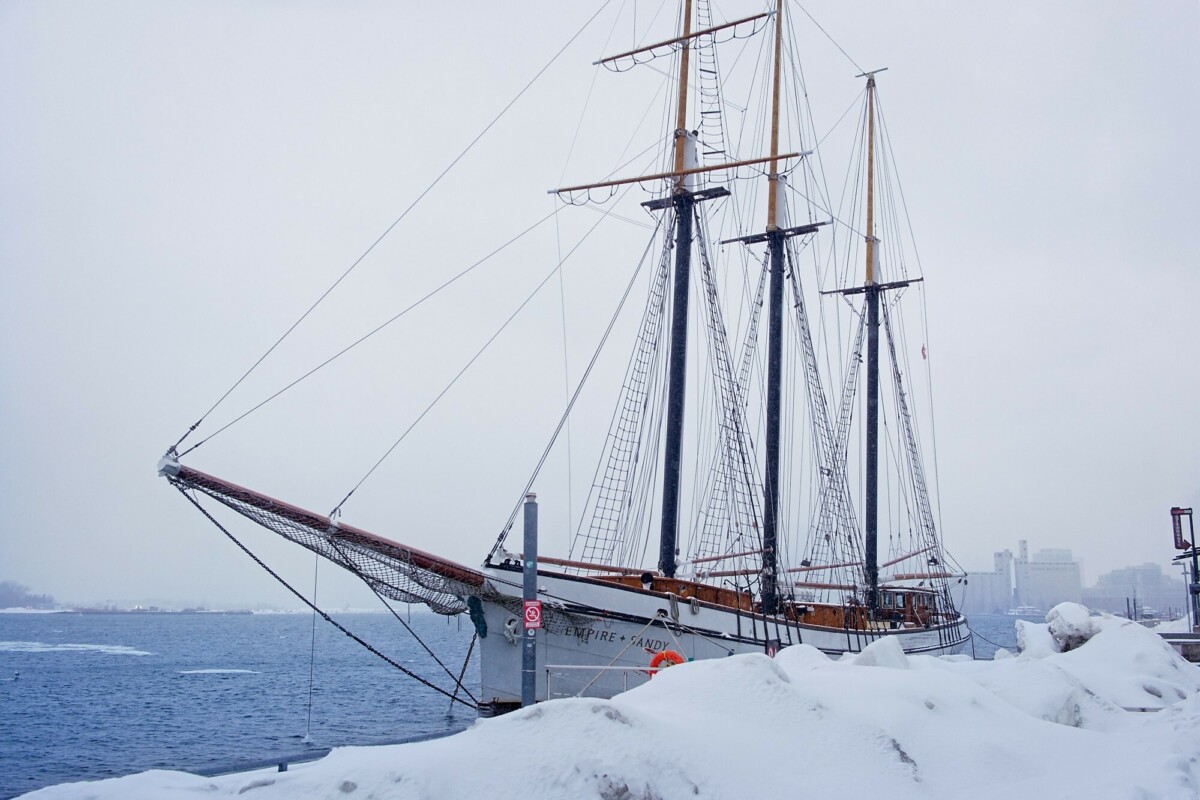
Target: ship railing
(592, 674)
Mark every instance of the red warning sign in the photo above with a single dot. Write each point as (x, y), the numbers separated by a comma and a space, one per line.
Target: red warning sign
(533, 614)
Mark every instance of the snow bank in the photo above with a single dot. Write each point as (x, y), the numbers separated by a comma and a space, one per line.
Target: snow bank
(1125, 664)
(1050, 722)
(1181, 625)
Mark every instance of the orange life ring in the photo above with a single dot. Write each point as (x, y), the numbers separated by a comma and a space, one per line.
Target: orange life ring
(664, 659)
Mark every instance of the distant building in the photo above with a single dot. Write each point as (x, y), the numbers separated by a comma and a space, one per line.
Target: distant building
(1116, 591)
(1049, 578)
(1052, 576)
(990, 592)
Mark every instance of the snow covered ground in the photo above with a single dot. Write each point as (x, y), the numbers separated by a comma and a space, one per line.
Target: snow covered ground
(1053, 721)
(1181, 625)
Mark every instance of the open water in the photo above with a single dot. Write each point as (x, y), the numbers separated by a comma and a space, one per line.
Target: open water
(87, 696)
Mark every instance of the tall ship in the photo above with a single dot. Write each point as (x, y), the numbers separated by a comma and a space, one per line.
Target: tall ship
(755, 488)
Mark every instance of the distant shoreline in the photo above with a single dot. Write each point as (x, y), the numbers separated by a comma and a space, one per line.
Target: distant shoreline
(187, 611)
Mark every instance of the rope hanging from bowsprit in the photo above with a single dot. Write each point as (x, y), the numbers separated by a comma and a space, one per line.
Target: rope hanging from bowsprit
(371, 585)
(454, 698)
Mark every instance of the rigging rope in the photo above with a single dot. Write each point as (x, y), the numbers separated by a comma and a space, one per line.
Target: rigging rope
(371, 585)
(616, 474)
(557, 268)
(733, 511)
(989, 641)
(830, 38)
(396, 222)
(369, 333)
(370, 648)
(632, 640)
(312, 653)
(562, 310)
(924, 317)
(466, 660)
(566, 413)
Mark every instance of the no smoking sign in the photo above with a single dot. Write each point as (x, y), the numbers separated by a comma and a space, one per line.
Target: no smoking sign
(533, 614)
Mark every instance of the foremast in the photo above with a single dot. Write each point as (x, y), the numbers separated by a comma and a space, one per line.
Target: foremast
(684, 203)
(683, 199)
(775, 242)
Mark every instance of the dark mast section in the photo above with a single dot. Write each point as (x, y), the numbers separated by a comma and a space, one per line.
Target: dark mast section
(871, 523)
(677, 373)
(771, 500)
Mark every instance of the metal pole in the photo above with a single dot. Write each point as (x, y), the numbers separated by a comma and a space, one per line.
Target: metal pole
(529, 646)
(1195, 586)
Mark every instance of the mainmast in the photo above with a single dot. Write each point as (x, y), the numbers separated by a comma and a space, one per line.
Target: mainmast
(776, 237)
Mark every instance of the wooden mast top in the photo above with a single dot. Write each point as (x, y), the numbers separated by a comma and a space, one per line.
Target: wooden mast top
(871, 241)
(773, 177)
(681, 114)
(680, 171)
(870, 179)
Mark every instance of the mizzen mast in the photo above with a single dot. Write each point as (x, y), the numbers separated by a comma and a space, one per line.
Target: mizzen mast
(872, 288)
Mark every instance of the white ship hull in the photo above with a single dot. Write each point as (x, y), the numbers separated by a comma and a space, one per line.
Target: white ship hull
(599, 638)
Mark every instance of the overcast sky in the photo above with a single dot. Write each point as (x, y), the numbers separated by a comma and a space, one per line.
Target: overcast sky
(179, 181)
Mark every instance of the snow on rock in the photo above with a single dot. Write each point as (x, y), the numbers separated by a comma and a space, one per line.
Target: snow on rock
(1034, 640)
(1070, 624)
(1067, 626)
(1132, 666)
(1127, 665)
(1040, 724)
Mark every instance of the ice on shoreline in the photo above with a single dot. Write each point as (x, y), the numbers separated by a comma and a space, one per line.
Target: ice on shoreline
(1051, 721)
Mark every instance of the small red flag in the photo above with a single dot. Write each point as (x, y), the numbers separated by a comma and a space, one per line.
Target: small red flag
(922, 351)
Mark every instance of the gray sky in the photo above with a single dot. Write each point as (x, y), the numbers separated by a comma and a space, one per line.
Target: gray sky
(178, 181)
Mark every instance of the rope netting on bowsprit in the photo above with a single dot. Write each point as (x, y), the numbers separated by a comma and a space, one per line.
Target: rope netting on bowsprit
(391, 570)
